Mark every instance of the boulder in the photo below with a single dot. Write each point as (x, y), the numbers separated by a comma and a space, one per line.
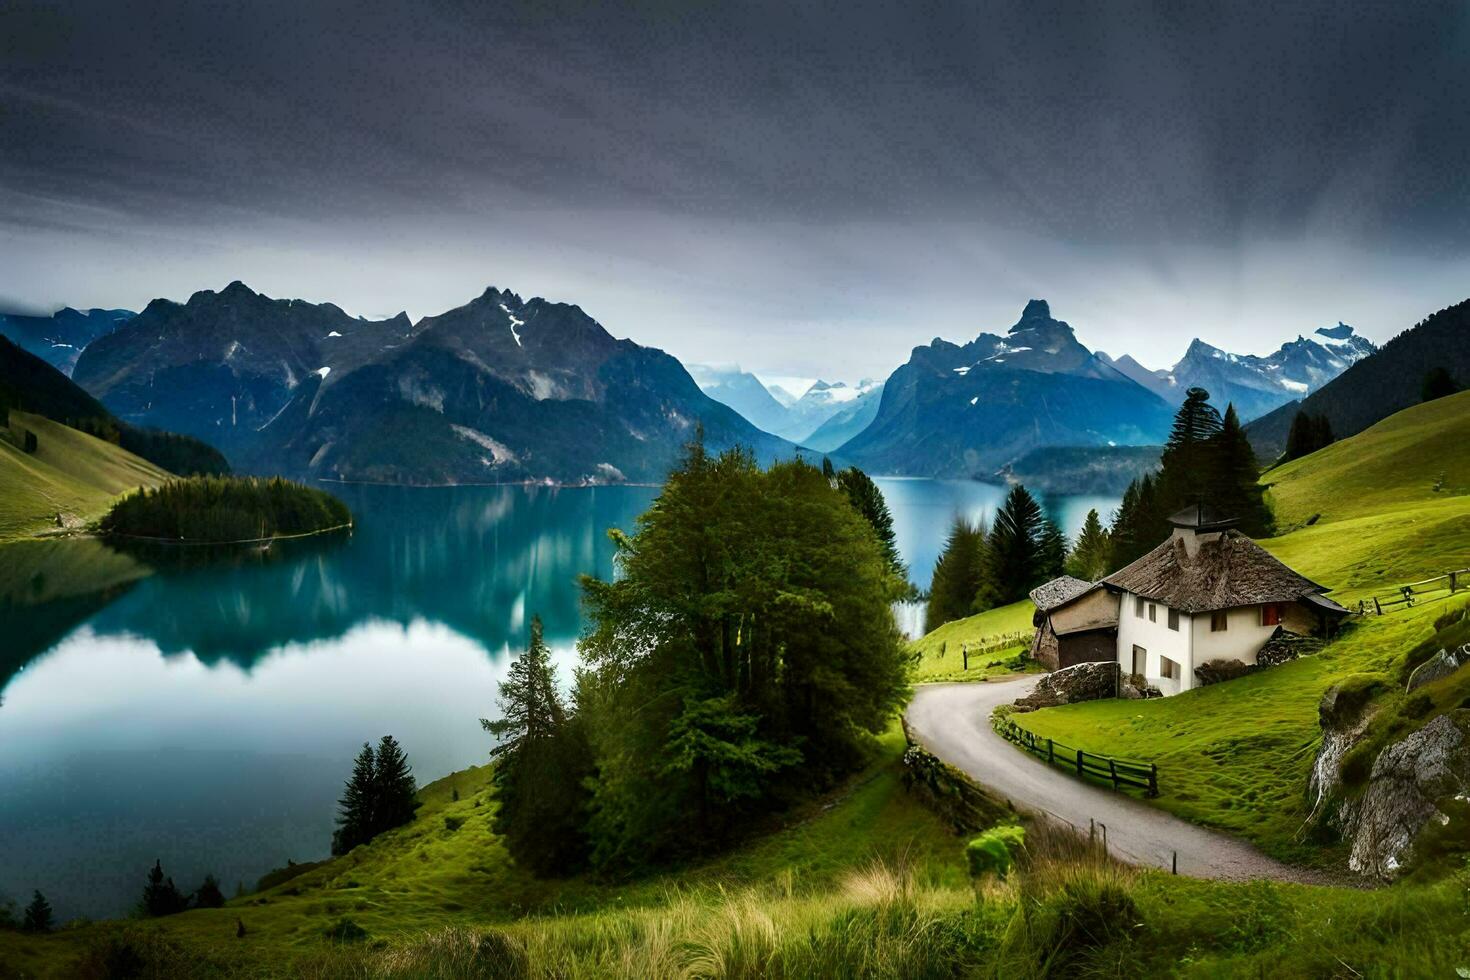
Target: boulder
(1081, 682)
(1216, 671)
(1284, 645)
(1408, 780)
(1442, 664)
(1344, 717)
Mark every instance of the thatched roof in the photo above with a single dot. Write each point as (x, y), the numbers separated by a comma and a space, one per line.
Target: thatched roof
(1058, 591)
(1228, 571)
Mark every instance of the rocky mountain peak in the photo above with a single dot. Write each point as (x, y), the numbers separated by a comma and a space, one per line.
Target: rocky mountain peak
(1340, 332)
(1036, 309)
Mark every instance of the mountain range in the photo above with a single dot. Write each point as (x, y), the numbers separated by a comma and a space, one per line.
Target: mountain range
(58, 339)
(966, 410)
(1373, 388)
(497, 390)
(1255, 385)
(822, 418)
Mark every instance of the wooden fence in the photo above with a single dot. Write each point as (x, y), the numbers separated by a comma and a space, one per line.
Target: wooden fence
(1407, 595)
(1121, 772)
(993, 644)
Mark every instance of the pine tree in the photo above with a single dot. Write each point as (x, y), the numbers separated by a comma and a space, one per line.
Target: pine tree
(1139, 524)
(208, 894)
(1184, 466)
(828, 470)
(1014, 548)
(355, 819)
(1091, 556)
(868, 500)
(161, 896)
(542, 760)
(1052, 551)
(958, 575)
(395, 796)
(1235, 478)
(38, 916)
(1437, 384)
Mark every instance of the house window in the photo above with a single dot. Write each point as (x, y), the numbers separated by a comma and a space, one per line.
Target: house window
(1174, 620)
(1140, 660)
(1169, 668)
(1218, 621)
(1271, 614)
(1138, 607)
(1153, 613)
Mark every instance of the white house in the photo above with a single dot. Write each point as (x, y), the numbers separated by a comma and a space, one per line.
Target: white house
(1207, 593)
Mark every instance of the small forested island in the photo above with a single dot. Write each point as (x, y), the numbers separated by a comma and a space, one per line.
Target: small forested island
(225, 510)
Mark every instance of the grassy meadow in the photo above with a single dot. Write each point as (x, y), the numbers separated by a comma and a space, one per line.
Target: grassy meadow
(938, 655)
(71, 473)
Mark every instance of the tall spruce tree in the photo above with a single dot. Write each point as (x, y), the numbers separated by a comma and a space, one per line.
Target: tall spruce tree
(1235, 478)
(161, 896)
(1013, 550)
(37, 916)
(209, 895)
(959, 574)
(868, 500)
(1091, 556)
(355, 808)
(1052, 550)
(1185, 467)
(1139, 524)
(395, 792)
(542, 763)
(1308, 434)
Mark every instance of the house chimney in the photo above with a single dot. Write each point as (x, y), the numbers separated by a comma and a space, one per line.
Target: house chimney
(1198, 524)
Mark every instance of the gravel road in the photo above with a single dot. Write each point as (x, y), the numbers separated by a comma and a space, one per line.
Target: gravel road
(953, 722)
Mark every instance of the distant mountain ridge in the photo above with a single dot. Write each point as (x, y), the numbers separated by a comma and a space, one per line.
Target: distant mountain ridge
(1375, 387)
(742, 391)
(1255, 385)
(58, 339)
(966, 410)
(496, 390)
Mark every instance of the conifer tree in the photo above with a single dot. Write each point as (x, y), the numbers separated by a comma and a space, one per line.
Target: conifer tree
(868, 500)
(1052, 551)
(1091, 556)
(1235, 478)
(958, 575)
(208, 895)
(395, 791)
(828, 470)
(1437, 384)
(355, 818)
(1308, 434)
(1184, 466)
(1139, 524)
(542, 760)
(38, 915)
(161, 896)
(1013, 550)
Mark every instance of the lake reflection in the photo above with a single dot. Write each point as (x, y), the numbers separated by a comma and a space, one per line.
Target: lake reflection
(206, 714)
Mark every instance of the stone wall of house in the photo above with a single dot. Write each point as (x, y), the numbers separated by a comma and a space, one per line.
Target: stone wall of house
(1045, 647)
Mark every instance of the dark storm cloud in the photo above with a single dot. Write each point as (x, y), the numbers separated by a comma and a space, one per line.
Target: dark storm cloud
(680, 163)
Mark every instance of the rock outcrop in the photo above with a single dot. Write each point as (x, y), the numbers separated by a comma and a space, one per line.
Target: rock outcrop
(1344, 716)
(1409, 780)
(1081, 682)
(1442, 664)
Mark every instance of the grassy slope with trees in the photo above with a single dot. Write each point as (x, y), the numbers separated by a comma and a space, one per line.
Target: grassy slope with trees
(1380, 522)
(70, 472)
(798, 894)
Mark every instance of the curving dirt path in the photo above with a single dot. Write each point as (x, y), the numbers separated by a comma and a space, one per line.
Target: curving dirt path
(953, 722)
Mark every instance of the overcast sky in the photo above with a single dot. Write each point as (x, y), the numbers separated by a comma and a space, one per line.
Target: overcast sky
(801, 187)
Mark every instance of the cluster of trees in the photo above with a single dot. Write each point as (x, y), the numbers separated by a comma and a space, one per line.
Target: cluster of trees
(162, 897)
(981, 568)
(1308, 434)
(743, 657)
(1207, 459)
(223, 509)
(380, 795)
(1438, 383)
(36, 917)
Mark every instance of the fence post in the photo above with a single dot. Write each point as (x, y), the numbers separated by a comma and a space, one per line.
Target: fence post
(1453, 579)
(965, 650)
(1079, 762)
(1091, 829)
(1113, 771)
(1378, 605)
(1153, 779)
(1105, 836)
(1051, 752)
(1176, 862)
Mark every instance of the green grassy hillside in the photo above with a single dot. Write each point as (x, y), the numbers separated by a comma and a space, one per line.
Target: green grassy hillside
(1236, 755)
(70, 473)
(939, 654)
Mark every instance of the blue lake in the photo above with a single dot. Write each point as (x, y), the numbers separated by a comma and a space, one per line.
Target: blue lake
(206, 713)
